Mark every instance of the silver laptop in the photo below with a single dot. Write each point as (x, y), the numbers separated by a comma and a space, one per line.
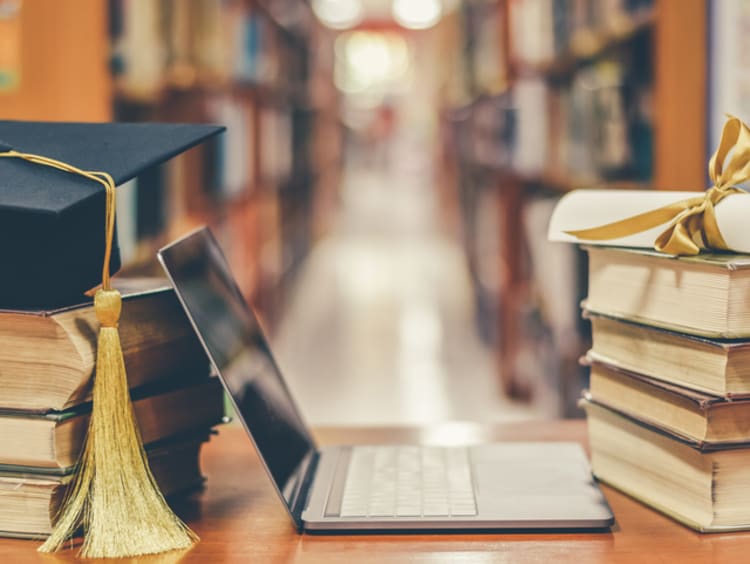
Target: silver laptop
(368, 488)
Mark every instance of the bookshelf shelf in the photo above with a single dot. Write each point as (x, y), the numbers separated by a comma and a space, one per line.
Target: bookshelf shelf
(588, 46)
(265, 93)
(249, 65)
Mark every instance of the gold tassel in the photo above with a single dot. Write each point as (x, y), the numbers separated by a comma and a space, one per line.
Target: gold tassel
(113, 495)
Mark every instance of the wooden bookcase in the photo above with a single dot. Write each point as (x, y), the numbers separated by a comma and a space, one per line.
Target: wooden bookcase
(675, 38)
(262, 188)
(680, 91)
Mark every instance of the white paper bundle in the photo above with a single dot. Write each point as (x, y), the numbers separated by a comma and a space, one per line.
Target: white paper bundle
(584, 209)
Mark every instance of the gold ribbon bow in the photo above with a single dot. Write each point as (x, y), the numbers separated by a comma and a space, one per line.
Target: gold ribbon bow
(692, 222)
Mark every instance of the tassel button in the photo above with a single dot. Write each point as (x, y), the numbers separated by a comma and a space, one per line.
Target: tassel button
(107, 305)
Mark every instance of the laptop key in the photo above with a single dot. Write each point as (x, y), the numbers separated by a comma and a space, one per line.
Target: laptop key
(463, 510)
(435, 510)
(383, 482)
(409, 510)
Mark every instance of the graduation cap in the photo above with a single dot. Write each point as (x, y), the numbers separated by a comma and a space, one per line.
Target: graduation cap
(51, 221)
(57, 216)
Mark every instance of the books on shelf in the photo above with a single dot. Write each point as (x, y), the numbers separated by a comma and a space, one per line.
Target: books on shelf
(596, 110)
(705, 295)
(535, 47)
(257, 69)
(276, 131)
(548, 30)
(483, 24)
(236, 147)
(530, 99)
(706, 490)
(253, 60)
(158, 46)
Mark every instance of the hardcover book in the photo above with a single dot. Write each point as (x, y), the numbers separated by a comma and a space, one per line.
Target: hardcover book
(28, 501)
(706, 295)
(706, 490)
(47, 357)
(706, 420)
(51, 442)
(715, 366)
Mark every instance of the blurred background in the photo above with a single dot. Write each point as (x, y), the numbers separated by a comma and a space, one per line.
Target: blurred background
(389, 167)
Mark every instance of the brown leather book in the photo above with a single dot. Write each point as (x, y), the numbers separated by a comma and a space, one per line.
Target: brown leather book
(52, 441)
(714, 366)
(708, 490)
(706, 420)
(30, 500)
(707, 295)
(47, 358)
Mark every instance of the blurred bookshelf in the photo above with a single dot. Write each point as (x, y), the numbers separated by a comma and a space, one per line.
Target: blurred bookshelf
(583, 94)
(267, 186)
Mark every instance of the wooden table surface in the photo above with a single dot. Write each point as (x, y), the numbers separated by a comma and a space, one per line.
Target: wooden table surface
(240, 519)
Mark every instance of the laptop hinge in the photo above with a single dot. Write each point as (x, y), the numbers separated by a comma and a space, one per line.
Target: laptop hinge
(302, 492)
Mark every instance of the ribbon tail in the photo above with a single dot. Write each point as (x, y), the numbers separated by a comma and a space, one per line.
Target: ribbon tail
(711, 231)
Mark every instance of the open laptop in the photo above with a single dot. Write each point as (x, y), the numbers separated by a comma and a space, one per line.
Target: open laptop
(367, 488)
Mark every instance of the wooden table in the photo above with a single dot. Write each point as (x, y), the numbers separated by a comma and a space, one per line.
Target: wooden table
(240, 519)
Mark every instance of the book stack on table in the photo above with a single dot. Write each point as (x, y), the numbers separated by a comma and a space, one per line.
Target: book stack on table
(47, 363)
(669, 400)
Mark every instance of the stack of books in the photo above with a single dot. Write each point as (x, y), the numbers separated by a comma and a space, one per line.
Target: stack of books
(47, 363)
(669, 400)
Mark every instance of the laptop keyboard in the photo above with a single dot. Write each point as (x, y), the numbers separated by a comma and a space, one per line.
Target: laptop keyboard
(408, 481)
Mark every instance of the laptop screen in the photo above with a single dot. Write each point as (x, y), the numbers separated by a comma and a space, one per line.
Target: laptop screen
(240, 353)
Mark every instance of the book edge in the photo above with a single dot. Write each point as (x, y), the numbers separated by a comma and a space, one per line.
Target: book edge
(161, 285)
(701, 446)
(716, 260)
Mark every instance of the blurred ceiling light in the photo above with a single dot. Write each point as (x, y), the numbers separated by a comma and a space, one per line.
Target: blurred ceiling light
(417, 14)
(339, 14)
(370, 62)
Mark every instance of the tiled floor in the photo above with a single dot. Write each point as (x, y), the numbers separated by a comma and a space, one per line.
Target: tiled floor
(380, 329)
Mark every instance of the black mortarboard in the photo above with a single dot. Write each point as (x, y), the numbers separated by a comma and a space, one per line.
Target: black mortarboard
(57, 225)
(51, 221)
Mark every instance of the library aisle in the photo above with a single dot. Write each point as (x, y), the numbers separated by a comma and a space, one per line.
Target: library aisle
(381, 327)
